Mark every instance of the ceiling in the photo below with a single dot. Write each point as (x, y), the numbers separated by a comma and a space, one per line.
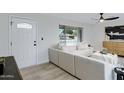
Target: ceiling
(87, 17)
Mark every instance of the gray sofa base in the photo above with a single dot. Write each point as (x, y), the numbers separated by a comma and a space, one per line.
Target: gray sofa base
(64, 70)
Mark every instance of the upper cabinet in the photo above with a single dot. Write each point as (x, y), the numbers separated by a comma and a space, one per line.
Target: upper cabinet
(115, 32)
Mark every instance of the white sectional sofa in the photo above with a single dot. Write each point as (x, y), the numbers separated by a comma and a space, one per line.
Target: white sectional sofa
(63, 59)
(66, 61)
(92, 69)
(82, 67)
(54, 56)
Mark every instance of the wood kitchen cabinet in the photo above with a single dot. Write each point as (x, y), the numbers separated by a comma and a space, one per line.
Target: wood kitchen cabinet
(114, 47)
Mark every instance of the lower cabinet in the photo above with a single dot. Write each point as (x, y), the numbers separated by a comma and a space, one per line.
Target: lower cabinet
(66, 61)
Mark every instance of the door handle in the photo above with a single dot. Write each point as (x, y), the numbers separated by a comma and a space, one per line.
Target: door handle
(35, 44)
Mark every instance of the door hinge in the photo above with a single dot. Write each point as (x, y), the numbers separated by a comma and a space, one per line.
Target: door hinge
(11, 23)
(11, 43)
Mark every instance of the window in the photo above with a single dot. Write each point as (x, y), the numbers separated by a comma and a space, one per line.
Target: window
(24, 25)
(70, 35)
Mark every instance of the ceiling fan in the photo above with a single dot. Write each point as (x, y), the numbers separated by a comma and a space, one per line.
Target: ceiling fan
(101, 19)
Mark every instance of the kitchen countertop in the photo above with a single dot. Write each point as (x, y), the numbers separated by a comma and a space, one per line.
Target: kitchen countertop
(11, 71)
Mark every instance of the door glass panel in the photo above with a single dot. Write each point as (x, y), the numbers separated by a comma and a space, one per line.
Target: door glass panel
(24, 25)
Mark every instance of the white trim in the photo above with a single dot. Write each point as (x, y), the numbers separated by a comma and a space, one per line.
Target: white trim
(22, 18)
(9, 46)
(37, 43)
(44, 61)
(10, 39)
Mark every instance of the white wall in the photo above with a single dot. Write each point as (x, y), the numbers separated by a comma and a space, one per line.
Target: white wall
(98, 33)
(3, 35)
(47, 28)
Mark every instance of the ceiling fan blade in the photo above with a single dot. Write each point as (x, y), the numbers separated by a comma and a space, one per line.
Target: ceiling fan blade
(94, 19)
(112, 18)
(101, 14)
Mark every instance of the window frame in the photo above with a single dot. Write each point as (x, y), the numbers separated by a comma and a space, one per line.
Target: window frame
(79, 33)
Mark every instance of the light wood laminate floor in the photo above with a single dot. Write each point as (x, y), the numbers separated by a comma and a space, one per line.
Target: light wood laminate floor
(47, 71)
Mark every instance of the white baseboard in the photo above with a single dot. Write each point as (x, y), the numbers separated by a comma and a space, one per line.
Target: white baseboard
(44, 61)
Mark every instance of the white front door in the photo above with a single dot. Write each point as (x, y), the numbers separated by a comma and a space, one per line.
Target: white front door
(23, 41)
